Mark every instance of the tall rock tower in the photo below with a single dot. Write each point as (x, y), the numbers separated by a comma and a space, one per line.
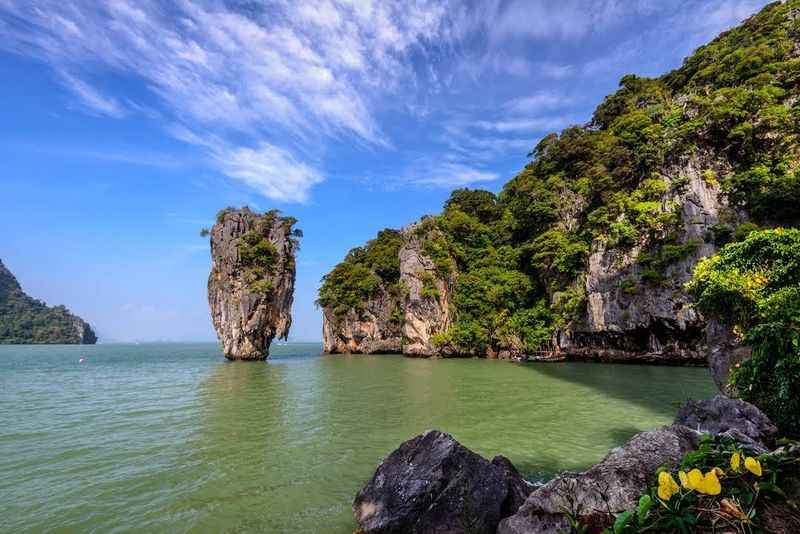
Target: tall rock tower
(251, 285)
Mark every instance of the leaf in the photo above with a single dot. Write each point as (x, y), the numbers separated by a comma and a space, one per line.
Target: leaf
(622, 521)
(645, 502)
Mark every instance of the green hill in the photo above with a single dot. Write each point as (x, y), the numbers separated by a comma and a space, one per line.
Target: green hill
(24, 319)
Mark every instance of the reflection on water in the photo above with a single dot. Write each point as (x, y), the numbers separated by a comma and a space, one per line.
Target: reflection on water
(173, 438)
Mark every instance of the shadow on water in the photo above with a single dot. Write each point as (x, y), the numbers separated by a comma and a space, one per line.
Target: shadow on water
(644, 385)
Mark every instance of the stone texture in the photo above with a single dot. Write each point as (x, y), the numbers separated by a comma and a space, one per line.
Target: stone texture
(247, 321)
(432, 484)
(721, 414)
(424, 315)
(367, 332)
(612, 485)
(372, 330)
(651, 322)
(724, 351)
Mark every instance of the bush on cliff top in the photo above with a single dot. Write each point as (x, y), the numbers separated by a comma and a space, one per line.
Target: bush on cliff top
(364, 271)
(754, 286)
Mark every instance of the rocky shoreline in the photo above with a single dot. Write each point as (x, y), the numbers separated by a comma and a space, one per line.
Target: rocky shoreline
(432, 484)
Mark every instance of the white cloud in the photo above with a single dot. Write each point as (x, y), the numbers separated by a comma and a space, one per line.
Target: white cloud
(279, 74)
(453, 174)
(537, 124)
(270, 170)
(540, 101)
(91, 98)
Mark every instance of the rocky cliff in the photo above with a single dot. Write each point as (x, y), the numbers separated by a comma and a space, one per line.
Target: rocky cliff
(251, 285)
(24, 319)
(630, 318)
(398, 312)
(586, 252)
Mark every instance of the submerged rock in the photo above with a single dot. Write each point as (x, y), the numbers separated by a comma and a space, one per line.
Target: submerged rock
(433, 484)
(251, 285)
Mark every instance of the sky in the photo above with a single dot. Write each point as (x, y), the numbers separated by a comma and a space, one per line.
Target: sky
(125, 125)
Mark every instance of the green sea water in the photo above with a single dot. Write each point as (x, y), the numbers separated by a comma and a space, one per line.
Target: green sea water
(173, 438)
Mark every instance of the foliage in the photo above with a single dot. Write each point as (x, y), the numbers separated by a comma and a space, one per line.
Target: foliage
(27, 320)
(754, 286)
(362, 274)
(717, 488)
(616, 183)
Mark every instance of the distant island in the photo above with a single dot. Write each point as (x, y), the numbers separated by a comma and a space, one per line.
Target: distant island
(26, 320)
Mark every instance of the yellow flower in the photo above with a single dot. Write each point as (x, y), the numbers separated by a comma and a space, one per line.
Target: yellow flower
(667, 487)
(753, 465)
(710, 484)
(694, 479)
(736, 462)
(684, 479)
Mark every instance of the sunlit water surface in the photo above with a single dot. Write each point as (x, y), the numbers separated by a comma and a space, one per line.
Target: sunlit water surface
(172, 438)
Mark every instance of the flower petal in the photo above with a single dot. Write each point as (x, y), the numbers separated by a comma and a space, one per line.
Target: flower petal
(753, 465)
(736, 461)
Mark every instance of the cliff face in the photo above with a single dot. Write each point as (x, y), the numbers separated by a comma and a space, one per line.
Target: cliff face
(24, 319)
(397, 316)
(251, 284)
(586, 251)
(428, 310)
(371, 330)
(631, 319)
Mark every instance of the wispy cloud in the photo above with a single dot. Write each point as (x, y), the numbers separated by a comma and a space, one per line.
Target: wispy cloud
(91, 98)
(270, 170)
(255, 77)
(264, 88)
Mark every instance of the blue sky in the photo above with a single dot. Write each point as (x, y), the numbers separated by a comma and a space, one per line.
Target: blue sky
(126, 125)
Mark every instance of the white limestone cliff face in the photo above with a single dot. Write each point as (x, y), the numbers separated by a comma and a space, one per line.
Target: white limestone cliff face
(628, 318)
(367, 331)
(396, 323)
(426, 312)
(246, 316)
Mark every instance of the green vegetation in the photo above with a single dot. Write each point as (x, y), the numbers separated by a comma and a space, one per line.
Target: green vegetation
(754, 286)
(258, 257)
(26, 320)
(519, 258)
(362, 274)
(718, 488)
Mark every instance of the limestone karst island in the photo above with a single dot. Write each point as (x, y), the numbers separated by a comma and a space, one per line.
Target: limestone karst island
(518, 267)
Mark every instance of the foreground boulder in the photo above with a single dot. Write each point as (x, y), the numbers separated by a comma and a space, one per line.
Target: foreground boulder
(251, 285)
(615, 484)
(433, 484)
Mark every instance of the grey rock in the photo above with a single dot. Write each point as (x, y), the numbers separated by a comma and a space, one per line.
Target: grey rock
(724, 352)
(369, 331)
(611, 486)
(628, 319)
(721, 414)
(433, 484)
(424, 315)
(247, 320)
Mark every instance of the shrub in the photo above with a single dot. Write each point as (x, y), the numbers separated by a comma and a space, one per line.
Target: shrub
(754, 286)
